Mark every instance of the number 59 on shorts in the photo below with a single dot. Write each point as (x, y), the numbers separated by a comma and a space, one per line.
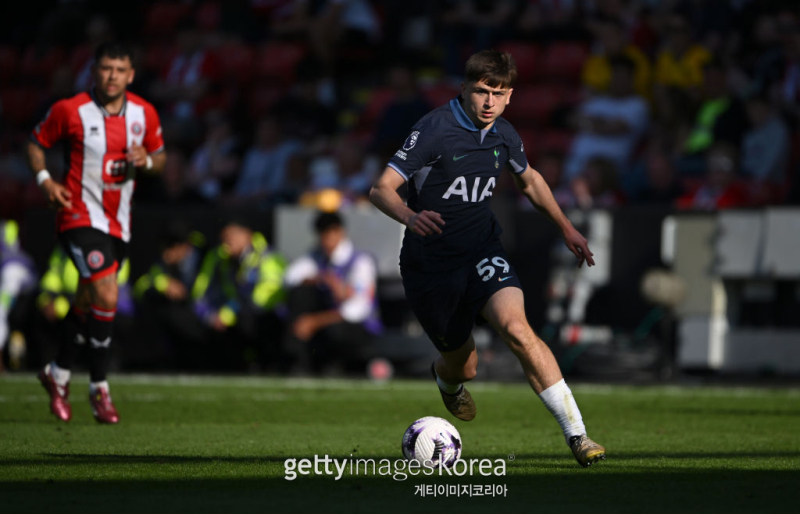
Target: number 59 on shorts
(486, 269)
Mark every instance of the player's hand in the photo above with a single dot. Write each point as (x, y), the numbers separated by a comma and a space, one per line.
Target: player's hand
(57, 195)
(175, 290)
(425, 223)
(137, 155)
(304, 327)
(577, 245)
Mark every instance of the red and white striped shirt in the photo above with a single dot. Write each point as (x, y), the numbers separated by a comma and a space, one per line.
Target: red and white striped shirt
(99, 175)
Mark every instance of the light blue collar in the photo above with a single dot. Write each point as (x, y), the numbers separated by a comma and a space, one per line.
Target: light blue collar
(462, 117)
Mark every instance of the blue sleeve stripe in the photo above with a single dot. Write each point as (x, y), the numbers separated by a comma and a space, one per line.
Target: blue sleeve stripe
(397, 168)
(517, 169)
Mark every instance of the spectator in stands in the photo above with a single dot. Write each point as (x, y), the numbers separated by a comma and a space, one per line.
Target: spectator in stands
(187, 84)
(333, 308)
(765, 151)
(236, 293)
(597, 187)
(610, 125)
(16, 278)
(98, 31)
(662, 187)
(475, 22)
(550, 166)
(722, 189)
(164, 293)
(680, 62)
(264, 170)
(303, 115)
(213, 167)
(406, 108)
(329, 25)
(611, 41)
(720, 118)
(350, 170)
(547, 20)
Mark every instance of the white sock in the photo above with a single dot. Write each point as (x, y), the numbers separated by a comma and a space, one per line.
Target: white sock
(448, 388)
(94, 386)
(60, 375)
(559, 401)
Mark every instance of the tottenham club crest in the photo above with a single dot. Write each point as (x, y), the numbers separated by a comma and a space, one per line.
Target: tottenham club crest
(95, 259)
(411, 141)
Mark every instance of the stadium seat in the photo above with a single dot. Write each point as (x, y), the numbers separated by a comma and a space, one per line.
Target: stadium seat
(20, 104)
(9, 61)
(279, 60)
(262, 98)
(556, 140)
(440, 94)
(208, 15)
(564, 60)
(379, 99)
(533, 105)
(162, 18)
(527, 56)
(236, 60)
(39, 63)
(79, 56)
(158, 56)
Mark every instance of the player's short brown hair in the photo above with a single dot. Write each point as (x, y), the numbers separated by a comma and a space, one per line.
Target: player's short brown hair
(496, 69)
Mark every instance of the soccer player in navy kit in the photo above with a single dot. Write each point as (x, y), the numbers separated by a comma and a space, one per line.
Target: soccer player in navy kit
(455, 271)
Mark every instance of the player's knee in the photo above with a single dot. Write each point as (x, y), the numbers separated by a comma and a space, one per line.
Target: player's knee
(516, 332)
(105, 296)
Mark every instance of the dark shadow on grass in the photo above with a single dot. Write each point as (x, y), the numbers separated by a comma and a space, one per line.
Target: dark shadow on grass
(664, 490)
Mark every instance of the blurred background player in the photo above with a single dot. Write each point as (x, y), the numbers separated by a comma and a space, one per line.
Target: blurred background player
(111, 134)
(237, 292)
(333, 309)
(17, 276)
(454, 268)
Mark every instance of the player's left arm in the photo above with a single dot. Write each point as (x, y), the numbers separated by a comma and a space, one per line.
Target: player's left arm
(150, 155)
(533, 186)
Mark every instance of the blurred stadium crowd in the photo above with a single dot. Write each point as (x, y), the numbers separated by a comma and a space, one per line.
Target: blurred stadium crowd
(687, 103)
(691, 102)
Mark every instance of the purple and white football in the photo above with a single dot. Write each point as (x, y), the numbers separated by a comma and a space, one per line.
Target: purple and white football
(431, 440)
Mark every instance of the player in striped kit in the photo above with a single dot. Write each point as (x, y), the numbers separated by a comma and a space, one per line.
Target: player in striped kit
(111, 134)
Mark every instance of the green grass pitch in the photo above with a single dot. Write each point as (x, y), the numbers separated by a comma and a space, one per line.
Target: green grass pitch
(219, 445)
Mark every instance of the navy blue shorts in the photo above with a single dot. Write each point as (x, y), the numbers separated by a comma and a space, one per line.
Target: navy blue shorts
(448, 304)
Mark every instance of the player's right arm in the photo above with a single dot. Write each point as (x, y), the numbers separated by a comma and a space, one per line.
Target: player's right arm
(385, 197)
(57, 195)
(48, 132)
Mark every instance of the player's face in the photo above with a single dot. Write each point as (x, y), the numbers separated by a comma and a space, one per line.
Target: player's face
(112, 75)
(483, 103)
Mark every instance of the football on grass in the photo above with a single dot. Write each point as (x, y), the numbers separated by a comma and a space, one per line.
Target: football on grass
(432, 442)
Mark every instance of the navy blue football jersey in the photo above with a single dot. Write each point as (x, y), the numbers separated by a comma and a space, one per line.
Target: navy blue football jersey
(452, 168)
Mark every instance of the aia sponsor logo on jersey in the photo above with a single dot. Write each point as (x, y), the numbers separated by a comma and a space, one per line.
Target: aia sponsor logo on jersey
(95, 259)
(460, 189)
